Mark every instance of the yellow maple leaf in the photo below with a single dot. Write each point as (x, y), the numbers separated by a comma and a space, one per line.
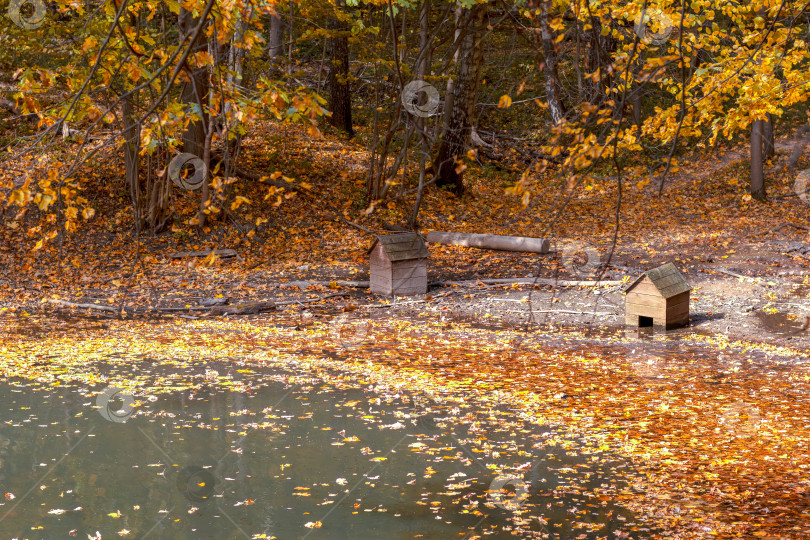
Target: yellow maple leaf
(20, 196)
(238, 202)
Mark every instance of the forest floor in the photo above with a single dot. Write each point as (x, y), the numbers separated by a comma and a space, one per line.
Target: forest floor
(746, 261)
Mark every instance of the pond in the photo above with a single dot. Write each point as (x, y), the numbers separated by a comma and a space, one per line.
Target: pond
(287, 455)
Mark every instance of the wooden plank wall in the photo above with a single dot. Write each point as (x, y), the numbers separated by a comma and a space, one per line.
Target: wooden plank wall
(380, 272)
(400, 277)
(410, 277)
(678, 310)
(645, 300)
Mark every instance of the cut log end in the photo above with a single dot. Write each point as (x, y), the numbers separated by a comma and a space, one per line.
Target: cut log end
(221, 253)
(245, 308)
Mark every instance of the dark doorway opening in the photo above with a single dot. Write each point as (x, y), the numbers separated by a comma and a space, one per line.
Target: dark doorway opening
(644, 322)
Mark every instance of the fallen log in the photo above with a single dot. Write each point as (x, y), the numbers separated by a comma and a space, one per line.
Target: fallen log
(782, 226)
(801, 140)
(573, 312)
(97, 307)
(491, 241)
(467, 283)
(311, 300)
(210, 302)
(221, 253)
(249, 307)
(733, 274)
(244, 308)
(305, 284)
(527, 281)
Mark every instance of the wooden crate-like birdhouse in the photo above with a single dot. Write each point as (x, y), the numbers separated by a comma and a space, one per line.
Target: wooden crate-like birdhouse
(398, 265)
(659, 298)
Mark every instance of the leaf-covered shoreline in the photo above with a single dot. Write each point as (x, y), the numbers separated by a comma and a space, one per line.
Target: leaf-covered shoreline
(703, 421)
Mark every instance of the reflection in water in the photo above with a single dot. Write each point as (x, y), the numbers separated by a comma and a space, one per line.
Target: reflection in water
(292, 460)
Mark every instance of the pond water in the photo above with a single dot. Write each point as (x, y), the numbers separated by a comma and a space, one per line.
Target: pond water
(292, 457)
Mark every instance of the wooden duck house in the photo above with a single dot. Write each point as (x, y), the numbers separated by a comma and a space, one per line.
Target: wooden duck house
(659, 298)
(398, 265)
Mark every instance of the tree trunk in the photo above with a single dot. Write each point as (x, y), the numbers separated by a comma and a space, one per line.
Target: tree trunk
(340, 97)
(132, 146)
(636, 97)
(149, 198)
(555, 104)
(291, 37)
(598, 58)
(422, 69)
(195, 89)
(158, 193)
(462, 115)
(413, 222)
(635, 100)
(451, 84)
(276, 31)
(403, 35)
(206, 189)
(802, 138)
(757, 174)
(425, 49)
(767, 138)
(230, 133)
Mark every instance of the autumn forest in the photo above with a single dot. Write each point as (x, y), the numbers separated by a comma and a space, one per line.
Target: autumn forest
(346, 269)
